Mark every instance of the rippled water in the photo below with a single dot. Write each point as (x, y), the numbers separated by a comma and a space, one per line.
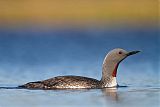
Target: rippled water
(32, 54)
(126, 97)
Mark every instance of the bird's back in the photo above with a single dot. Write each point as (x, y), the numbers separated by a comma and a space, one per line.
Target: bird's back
(64, 82)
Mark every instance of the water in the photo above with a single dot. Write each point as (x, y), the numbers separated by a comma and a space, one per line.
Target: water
(31, 54)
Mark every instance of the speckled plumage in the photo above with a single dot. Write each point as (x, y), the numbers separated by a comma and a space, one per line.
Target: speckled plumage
(64, 82)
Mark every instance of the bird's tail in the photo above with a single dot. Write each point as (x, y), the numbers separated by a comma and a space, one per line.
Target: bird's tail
(33, 85)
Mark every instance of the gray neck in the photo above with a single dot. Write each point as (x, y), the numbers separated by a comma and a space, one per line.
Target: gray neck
(108, 80)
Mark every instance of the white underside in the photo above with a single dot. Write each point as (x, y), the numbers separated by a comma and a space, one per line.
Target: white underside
(113, 83)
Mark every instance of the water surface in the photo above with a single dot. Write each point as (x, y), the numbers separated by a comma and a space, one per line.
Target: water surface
(32, 54)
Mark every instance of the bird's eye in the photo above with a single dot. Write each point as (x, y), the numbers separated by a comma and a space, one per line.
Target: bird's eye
(120, 52)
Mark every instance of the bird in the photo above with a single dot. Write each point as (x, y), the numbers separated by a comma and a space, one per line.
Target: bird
(108, 79)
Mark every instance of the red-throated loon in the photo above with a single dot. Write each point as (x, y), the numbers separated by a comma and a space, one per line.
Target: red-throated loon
(109, 71)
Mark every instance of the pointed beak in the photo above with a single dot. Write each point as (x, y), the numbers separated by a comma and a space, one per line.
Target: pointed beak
(132, 53)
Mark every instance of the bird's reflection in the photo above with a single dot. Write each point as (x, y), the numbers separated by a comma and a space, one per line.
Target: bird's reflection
(110, 93)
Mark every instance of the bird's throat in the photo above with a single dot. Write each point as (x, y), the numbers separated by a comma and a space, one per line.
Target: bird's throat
(114, 73)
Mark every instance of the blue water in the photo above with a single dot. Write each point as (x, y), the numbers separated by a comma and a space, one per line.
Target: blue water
(31, 54)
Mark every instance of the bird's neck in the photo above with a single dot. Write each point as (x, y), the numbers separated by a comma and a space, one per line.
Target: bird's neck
(109, 71)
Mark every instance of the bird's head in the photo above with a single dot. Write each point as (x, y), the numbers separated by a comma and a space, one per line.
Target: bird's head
(118, 54)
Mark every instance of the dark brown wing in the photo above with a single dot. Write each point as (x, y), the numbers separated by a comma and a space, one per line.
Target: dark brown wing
(71, 82)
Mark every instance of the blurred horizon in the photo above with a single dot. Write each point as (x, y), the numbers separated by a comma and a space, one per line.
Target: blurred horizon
(60, 13)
